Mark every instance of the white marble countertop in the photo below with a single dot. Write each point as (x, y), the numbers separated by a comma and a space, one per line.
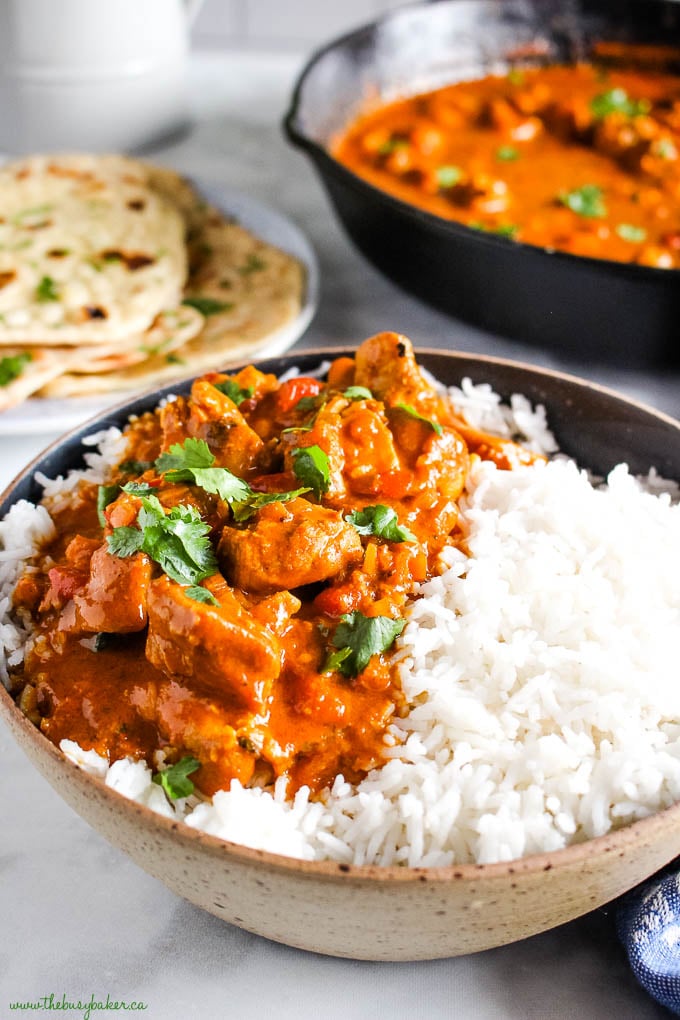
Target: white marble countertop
(79, 918)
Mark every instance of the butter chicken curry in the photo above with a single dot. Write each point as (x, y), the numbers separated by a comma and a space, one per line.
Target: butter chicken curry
(225, 604)
(584, 158)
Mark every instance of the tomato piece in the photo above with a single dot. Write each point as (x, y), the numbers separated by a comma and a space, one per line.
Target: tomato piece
(291, 392)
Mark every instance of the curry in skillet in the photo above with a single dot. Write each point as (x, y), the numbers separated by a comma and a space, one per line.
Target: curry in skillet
(584, 158)
(228, 599)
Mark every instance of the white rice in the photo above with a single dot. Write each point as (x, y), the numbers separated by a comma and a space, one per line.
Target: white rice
(541, 669)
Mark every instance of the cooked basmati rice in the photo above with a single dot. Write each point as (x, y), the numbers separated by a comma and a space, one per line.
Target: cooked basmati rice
(540, 670)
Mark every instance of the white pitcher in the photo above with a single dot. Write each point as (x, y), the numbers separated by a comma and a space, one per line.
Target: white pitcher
(92, 75)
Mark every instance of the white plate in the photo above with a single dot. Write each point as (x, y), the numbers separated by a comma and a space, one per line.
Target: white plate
(35, 416)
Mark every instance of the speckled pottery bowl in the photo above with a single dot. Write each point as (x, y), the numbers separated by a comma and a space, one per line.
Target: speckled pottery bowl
(391, 913)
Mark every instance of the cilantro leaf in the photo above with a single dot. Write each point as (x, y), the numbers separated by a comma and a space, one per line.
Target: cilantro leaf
(365, 636)
(253, 264)
(507, 153)
(515, 77)
(447, 176)
(629, 232)
(509, 230)
(381, 521)
(207, 305)
(618, 101)
(335, 660)
(192, 453)
(256, 500)
(200, 594)
(307, 403)
(192, 462)
(585, 201)
(392, 144)
(358, 393)
(177, 541)
(310, 464)
(235, 392)
(125, 541)
(47, 290)
(412, 413)
(12, 366)
(105, 495)
(665, 149)
(138, 489)
(175, 779)
(134, 467)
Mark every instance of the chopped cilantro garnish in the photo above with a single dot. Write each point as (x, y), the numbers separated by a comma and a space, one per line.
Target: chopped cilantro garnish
(507, 153)
(618, 101)
(447, 176)
(381, 521)
(307, 403)
(47, 290)
(310, 464)
(207, 305)
(357, 393)
(193, 462)
(412, 413)
(134, 467)
(199, 594)
(34, 212)
(175, 779)
(665, 149)
(253, 264)
(256, 500)
(585, 201)
(629, 232)
(335, 659)
(105, 495)
(508, 230)
(392, 144)
(12, 365)
(515, 77)
(365, 636)
(138, 489)
(178, 541)
(235, 392)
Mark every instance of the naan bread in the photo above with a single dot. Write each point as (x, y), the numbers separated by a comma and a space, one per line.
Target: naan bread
(36, 367)
(89, 251)
(118, 275)
(247, 291)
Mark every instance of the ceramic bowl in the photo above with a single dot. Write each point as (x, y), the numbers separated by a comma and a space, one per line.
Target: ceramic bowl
(390, 913)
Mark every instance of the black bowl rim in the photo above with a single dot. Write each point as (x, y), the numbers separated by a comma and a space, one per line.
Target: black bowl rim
(572, 855)
(320, 153)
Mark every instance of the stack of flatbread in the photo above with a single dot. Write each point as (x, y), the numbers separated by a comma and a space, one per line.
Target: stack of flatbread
(117, 275)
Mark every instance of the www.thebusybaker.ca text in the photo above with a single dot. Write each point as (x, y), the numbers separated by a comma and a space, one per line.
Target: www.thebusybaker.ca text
(83, 1006)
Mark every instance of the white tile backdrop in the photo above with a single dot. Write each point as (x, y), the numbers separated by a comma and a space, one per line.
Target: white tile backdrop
(280, 24)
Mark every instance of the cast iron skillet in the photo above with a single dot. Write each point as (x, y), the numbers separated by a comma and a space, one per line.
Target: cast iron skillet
(591, 309)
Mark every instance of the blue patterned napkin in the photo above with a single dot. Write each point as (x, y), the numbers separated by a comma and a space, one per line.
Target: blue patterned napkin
(648, 924)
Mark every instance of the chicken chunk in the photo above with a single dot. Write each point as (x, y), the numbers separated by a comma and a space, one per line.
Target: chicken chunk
(221, 649)
(386, 364)
(216, 419)
(287, 546)
(114, 599)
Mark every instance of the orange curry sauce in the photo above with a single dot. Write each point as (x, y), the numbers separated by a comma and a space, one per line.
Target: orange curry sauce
(578, 158)
(251, 683)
